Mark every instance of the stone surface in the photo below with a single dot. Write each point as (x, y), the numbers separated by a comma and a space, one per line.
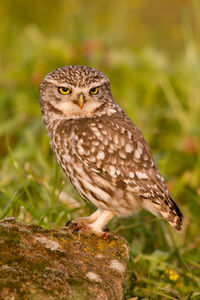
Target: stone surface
(36, 263)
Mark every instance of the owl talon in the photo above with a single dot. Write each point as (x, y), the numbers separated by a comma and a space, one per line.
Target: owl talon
(68, 223)
(76, 227)
(106, 229)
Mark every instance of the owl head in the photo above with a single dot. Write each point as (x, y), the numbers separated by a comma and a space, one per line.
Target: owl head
(74, 92)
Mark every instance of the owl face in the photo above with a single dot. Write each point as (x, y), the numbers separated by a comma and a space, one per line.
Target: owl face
(74, 91)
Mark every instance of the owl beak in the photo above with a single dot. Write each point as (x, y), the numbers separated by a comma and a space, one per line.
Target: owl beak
(81, 101)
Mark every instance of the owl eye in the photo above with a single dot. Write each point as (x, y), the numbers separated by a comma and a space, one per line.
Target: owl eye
(64, 91)
(94, 91)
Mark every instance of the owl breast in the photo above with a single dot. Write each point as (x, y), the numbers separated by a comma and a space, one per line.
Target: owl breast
(89, 157)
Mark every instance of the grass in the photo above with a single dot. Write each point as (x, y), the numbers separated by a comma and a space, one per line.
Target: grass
(158, 92)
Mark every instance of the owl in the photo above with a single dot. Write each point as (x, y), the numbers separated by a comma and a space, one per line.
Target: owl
(102, 152)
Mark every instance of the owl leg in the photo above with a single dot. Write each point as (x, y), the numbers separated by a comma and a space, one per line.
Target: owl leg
(92, 218)
(98, 226)
(95, 223)
(86, 220)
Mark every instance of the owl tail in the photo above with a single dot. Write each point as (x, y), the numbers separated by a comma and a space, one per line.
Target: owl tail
(172, 214)
(169, 210)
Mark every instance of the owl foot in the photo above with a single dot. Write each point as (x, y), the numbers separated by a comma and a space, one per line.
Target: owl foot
(86, 220)
(75, 226)
(106, 228)
(82, 222)
(96, 223)
(68, 223)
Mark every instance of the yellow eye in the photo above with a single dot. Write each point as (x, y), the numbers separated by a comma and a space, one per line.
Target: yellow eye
(64, 91)
(94, 91)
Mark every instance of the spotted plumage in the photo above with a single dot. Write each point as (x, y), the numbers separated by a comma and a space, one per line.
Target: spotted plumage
(100, 149)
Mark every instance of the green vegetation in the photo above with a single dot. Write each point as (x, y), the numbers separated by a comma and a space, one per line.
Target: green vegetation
(157, 82)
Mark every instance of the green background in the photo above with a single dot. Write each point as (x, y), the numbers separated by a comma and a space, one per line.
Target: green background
(150, 50)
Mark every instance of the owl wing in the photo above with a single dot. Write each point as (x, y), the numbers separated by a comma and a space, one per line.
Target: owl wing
(116, 150)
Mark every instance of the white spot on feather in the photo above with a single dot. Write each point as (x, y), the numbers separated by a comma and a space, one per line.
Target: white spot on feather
(131, 175)
(112, 171)
(98, 164)
(122, 129)
(94, 170)
(158, 175)
(111, 111)
(87, 152)
(80, 141)
(92, 149)
(99, 125)
(80, 150)
(122, 154)
(118, 172)
(115, 139)
(95, 142)
(96, 131)
(141, 175)
(129, 134)
(101, 155)
(91, 158)
(122, 141)
(104, 131)
(138, 152)
(105, 142)
(128, 148)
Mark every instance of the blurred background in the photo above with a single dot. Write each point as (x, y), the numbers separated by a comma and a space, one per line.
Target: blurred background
(150, 50)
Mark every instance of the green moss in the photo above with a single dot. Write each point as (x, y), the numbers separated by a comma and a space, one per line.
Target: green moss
(10, 237)
(8, 249)
(79, 288)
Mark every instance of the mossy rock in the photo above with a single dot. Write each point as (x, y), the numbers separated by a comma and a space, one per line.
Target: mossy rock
(36, 263)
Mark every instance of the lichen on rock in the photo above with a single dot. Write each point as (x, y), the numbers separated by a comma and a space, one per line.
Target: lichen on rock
(36, 263)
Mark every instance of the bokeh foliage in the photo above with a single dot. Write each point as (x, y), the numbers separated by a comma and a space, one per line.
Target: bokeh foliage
(150, 50)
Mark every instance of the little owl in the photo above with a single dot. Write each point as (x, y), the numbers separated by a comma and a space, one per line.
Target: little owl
(102, 152)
